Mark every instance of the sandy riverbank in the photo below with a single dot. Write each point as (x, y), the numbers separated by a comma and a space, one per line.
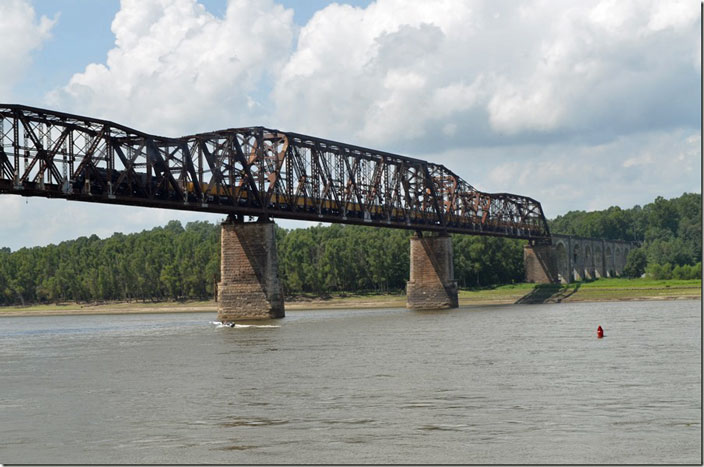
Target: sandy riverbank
(615, 290)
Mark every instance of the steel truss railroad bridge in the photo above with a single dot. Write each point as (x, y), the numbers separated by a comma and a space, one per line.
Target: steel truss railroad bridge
(252, 171)
(267, 174)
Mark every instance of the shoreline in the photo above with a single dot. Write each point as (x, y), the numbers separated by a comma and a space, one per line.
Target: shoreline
(350, 302)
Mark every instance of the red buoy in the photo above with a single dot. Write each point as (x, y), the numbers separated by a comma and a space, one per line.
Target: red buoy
(599, 332)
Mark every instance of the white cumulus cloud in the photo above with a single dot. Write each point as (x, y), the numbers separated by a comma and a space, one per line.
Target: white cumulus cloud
(398, 72)
(176, 68)
(20, 34)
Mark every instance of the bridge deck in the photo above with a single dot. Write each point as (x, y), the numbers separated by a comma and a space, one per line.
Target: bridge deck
(248, 171)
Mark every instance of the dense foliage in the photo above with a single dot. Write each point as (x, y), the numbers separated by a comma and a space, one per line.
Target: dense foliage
(670, 233)
(183, 263)
(322, 259)
(153, 265)
(351, 258)
(174, 262)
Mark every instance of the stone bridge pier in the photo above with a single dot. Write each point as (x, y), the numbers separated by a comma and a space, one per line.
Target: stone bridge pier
(571, 258)
(249, 285)
(432, 283)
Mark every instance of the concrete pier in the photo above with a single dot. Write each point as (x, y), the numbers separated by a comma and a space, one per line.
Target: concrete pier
(249, 285)
(432, 283)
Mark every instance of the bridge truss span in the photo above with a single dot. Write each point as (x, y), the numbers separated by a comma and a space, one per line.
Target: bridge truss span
(251, 171)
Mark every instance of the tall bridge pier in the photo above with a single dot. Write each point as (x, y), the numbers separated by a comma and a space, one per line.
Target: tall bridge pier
(249, 285)
(432, 283)
(540, 263)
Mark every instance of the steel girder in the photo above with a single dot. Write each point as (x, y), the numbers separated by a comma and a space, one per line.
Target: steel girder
(248, 171)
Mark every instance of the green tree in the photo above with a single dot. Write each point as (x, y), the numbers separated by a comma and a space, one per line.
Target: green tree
(635, 263)
(659, 271)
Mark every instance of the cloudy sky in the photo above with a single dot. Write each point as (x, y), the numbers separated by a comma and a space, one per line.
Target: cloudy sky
(581, 105)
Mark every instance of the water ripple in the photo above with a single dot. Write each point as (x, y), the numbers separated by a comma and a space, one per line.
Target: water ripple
(242, 421)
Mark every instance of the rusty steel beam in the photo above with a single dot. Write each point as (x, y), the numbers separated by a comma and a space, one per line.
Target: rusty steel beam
(251, 171)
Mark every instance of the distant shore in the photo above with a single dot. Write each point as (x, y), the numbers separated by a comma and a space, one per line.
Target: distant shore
(595, 291)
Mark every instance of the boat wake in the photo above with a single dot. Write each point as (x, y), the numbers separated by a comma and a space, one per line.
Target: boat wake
(219, 324)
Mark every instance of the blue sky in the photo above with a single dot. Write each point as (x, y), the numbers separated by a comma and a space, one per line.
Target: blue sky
(581, 105)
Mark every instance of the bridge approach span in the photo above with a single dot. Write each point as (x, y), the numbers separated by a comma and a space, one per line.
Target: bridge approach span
(249, 171)
(571, 258)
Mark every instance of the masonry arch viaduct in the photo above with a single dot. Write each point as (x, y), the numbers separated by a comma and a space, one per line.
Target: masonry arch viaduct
(571, 258)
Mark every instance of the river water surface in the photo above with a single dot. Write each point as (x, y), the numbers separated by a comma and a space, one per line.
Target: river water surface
(495, 384)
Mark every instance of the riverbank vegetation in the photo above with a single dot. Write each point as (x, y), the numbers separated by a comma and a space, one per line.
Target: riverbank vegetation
(182, 263)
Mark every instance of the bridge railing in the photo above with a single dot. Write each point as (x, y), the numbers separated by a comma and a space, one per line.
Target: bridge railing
(248, 171)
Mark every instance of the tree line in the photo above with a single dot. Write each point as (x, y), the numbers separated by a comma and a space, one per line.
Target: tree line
(346, 258)
(161, 263)
(179, 263)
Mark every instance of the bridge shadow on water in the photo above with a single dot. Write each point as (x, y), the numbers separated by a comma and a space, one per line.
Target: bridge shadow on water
(548, 293)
